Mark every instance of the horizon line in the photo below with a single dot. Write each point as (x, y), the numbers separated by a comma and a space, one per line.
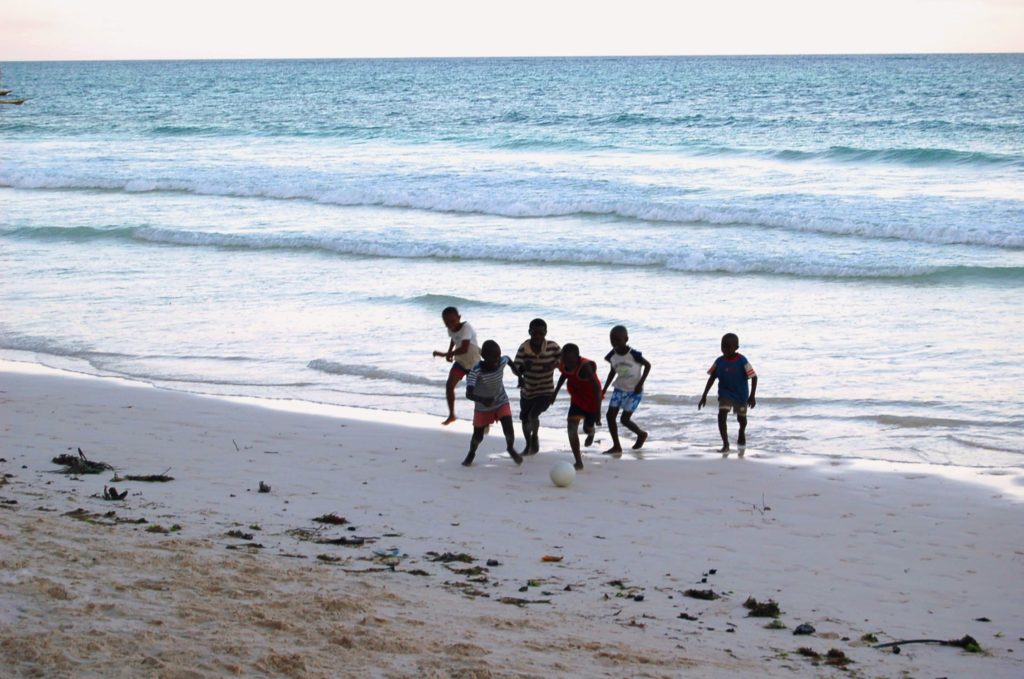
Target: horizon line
(517, 56)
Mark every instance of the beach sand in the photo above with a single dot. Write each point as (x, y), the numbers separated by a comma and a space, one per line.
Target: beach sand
(898, 554)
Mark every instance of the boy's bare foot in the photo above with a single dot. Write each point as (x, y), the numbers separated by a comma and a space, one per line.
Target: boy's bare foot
(578, 466)
(724, 449)
(590, 437)
(469, 460)
(641, 438)
(534, 446)
(449, 420)
(515, 456)
(614, 450)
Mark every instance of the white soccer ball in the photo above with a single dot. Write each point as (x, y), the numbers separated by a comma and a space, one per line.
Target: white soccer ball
(562, 474)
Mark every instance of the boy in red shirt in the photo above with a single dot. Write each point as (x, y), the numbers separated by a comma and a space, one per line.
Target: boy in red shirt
(585, 397)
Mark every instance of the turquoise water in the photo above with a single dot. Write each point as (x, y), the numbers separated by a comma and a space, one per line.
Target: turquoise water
(292, 229)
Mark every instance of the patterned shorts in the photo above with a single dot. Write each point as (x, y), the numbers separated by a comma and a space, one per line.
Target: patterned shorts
(627, 400)
(728, 404)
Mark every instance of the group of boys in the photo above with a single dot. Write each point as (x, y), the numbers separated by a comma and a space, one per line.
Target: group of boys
(535, 363)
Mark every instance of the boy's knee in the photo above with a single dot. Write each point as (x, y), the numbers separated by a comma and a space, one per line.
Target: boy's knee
(626, 416)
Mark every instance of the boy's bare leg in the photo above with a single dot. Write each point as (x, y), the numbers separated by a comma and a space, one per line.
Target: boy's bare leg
(530, 427)
(474, 443)
(723, 429)
(510, 438)
(574, 442)
(449, 392)
(741, 440)
(590, 434)
(627, 421)
(613, 429)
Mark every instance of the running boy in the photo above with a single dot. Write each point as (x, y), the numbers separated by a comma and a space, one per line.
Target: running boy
(732, 370)
(486, 388)
(585, 397)
(463, 353)
(629, 370)
(536, 361)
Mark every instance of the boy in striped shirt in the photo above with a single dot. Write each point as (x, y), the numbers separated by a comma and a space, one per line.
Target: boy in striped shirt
(536, 361)
(486, 388)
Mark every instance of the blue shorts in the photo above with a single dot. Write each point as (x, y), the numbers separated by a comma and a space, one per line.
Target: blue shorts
(627, 400)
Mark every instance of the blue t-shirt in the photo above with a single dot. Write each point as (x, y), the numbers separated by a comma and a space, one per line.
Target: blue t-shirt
(732, 377)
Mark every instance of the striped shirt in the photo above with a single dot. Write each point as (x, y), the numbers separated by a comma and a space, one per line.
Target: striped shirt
(488, 384)
(538, 379)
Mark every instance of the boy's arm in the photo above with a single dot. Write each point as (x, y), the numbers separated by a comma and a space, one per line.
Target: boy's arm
(512, 367)
(707, 387)
(589, 372)
(608, 382)
(446, 354)
(463, 348)
(751, 401)
(486, 400)
(558, 387)
(639, 388)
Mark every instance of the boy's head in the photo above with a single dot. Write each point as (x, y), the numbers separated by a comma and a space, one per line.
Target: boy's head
(538, 329)
(619, 339)
(570, 356)
(451, 318)
(490, 352)
(730, 343)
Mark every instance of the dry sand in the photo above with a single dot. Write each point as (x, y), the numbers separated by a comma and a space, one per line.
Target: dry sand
(898, 554)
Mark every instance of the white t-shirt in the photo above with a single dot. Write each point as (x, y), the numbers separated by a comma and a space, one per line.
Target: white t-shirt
(628, 369)
(471, 357)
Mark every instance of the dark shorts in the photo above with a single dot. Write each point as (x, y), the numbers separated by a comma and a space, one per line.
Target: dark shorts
(458, 370)
(530, 408)
(589, 419)
(727, 404)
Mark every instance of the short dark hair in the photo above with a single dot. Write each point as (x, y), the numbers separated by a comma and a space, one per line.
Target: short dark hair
(539, 323)
(570, 348)
(490, 345)
(731, 336)
(619, 328)
(450, 310)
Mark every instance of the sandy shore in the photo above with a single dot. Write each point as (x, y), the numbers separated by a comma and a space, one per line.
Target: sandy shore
(898, 554)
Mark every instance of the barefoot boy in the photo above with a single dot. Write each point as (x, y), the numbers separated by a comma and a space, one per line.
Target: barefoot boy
(585, 397)
(629, 370)
(536, 361)
(463, 353)
(485, 387)
(732, 370)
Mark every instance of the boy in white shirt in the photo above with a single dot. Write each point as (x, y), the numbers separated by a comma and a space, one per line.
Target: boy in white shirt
(463, 353)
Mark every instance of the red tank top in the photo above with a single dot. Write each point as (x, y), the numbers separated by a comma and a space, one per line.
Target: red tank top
(582, 391)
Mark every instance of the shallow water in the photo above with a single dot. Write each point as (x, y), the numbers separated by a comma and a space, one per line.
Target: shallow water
(292, 229)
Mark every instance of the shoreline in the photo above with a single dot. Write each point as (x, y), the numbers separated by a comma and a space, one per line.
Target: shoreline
(1007, 481)
(851, 552)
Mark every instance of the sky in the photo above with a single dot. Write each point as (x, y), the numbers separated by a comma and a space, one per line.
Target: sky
(235, 29)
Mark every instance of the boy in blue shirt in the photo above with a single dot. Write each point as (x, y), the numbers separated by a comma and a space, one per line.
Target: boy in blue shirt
(732, 370)
(629, 370)
(485, 387)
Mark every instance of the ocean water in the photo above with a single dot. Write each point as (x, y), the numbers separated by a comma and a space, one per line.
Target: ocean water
(292, 230)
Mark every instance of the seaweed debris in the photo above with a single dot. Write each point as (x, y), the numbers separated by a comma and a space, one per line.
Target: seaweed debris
(448, 557)
(706, 594)
(761, 609)
(80, 464)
